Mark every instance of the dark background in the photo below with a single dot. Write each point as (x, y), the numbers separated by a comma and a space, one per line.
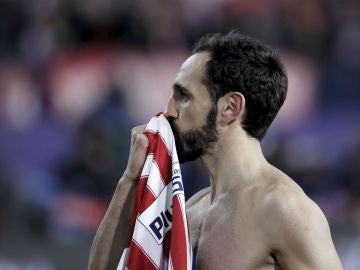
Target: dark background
(76, 76)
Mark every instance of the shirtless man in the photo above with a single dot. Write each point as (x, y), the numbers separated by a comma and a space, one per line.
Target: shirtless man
(253, 216)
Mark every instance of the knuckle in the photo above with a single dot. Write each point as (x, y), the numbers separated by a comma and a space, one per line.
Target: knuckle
(138, 138)
(137, 130)
(134, 131)
(143, 139)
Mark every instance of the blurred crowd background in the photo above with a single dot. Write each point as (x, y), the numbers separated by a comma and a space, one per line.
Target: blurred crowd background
(76, 76)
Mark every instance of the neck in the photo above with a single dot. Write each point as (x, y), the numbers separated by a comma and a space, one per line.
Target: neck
(236, 161)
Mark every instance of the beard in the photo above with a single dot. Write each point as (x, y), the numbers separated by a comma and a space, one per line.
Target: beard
(194, 143)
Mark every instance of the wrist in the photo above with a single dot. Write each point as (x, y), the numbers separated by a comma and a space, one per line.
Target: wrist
(128, 178)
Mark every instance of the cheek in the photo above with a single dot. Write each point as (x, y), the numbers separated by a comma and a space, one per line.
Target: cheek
(191, 119)
(186, 117)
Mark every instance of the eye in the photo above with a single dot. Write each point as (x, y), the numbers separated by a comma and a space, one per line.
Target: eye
(182, 93)
(183, 96)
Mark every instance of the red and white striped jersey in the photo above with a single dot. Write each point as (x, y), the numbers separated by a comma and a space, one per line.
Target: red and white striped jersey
(160, 237)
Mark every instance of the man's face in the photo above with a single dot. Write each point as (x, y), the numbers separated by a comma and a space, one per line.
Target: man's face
(191, 112)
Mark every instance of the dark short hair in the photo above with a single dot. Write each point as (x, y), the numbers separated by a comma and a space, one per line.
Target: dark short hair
(242, 64)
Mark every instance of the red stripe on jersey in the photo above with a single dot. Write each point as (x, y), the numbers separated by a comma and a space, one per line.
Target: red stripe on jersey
(148, 199)
(161, 155)
(138, 260)
(137, 205)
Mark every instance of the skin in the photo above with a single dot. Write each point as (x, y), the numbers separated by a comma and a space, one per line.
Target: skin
(253, 216)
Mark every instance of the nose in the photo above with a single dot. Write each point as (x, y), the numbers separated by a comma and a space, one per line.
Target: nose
(171, 110)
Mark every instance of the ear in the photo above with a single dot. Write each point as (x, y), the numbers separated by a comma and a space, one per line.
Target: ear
(234, 107)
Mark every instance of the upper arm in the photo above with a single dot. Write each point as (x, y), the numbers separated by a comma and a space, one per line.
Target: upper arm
(299, 234)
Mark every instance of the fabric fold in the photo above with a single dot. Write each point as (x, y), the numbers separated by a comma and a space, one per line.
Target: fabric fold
(160, 237)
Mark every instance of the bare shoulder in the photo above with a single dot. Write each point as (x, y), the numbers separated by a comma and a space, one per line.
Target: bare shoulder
(288, 204)
(295, 227)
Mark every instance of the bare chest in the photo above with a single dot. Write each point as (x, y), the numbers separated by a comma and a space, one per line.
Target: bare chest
(231, 239)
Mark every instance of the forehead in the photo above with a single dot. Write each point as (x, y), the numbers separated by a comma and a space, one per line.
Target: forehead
(192, 70)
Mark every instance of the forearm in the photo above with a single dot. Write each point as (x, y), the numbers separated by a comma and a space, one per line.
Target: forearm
(114, 230)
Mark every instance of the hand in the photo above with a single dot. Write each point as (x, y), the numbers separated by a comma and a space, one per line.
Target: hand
(137, 156)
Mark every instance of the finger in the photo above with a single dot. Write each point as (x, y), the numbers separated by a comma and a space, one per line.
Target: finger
(137, 155)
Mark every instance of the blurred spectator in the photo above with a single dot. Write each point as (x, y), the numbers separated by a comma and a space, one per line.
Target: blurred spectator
(102, 145)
